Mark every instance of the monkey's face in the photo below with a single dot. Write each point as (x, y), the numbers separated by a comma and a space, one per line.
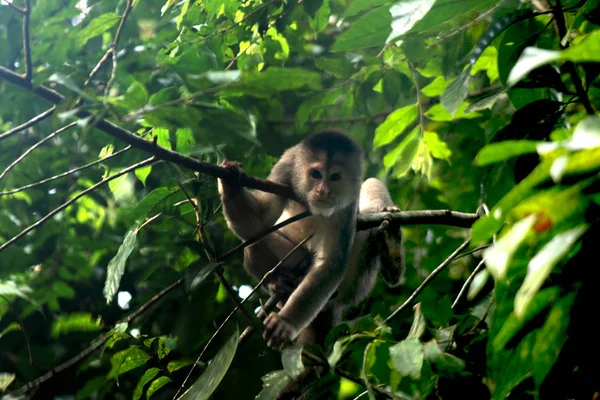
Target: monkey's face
(330, 184)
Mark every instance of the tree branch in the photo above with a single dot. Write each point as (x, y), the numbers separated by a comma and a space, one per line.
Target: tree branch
(427, 280)
(29, 123)
(26, 44)
(35, 146)
(73, 200)
(69, 172)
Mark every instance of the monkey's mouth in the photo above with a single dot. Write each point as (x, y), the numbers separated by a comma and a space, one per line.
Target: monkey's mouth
(320, 203)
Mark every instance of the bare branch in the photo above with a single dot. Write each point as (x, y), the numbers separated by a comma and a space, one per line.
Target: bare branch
(73, 200)
(112, 50)
(69, 172)
(29, 123)
(437, 217)
(35, 146)
(427, 280)
(26, 45)
(467, 283)
(14, 7)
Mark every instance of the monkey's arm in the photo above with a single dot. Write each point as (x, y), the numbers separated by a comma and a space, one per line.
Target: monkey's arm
(248, 213)
(311, 296)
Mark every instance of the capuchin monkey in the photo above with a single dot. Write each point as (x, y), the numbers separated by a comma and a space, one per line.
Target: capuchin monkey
(337, 267)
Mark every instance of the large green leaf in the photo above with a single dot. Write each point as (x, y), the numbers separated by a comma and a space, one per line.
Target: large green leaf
(371, 29)
(214, 373)
(116, 266)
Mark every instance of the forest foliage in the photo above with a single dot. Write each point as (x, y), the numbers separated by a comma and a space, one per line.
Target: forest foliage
(117, 275)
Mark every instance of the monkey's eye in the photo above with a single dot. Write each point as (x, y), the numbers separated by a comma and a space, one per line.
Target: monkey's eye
(335, 177)
(315, 174)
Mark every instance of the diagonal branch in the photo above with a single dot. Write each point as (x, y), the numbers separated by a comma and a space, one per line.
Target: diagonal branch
(52, 213)
(69, 172)
(35, 146)
(29, 123)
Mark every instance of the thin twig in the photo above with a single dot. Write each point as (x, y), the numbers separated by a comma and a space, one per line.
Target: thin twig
(47, 217)
(35, 146)
(14, 7)
(467, 283)
(427, 280)
(419, 99)
(112, 49)
(26, 44)
(232, 313)
(69, 172)
(29, 123)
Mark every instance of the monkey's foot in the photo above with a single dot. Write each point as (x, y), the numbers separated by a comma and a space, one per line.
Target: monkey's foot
(278, 332)
(390, 209)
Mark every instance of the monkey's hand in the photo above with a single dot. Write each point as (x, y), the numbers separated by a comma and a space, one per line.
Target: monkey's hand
(390, 209)
(278, 332)
(230, 188)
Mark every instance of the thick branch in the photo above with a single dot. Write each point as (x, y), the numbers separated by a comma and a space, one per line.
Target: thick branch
(150, 147)
(364, 221)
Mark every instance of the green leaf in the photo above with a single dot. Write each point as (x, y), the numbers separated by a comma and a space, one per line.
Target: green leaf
(126, 360)
(156, 385)
(496, 152)
(587, 50)
(314, 107)
(513, 324)
(356, 6)
(456, 92)
(418, 325)
(444, 362)
(13, 326)
(395, 124)
(273, 383)
(63, 290)
(151, 200)
(185, 140)
(116, 266)
(407, 358)
(439, 113)
(541, 265)
(447, 10)
(406, 14)
(143, 173)
(291, 358)
(10, 288)
(214, 373)
(371, 29)
(551, 338)
(75, 322)
(162, 137)
(5, 380)
(435, 87)
(147, 377)
(96, 27)
(438, 148)
(500, 254)
(274, 80)
(176, 365)
(477, 284)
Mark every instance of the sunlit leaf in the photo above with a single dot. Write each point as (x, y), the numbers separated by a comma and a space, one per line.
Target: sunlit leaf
(156, 385)
(96, 27)
(406, 14)
(499, 255)
(6, 379)
(147, 377)
(496, 152)
(75, 322)
(407, 357)
(540, 266)
(437, 147)
(116, 266)
(291, 359)
(126, 360)
(418, 325)
(273, 383)
(395, 124)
